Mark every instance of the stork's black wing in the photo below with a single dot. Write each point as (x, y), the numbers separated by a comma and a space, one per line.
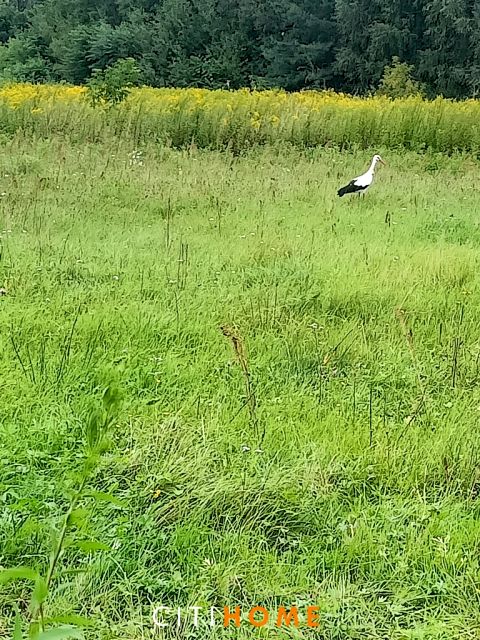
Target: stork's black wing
(351, 187)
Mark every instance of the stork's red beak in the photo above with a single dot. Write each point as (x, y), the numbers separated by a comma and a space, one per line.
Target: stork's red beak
(384, 163)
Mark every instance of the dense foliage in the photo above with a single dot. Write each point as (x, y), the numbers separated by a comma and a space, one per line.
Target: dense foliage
(292, 44)
(239, 120)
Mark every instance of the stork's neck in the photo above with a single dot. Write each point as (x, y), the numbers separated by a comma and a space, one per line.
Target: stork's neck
(372, 165)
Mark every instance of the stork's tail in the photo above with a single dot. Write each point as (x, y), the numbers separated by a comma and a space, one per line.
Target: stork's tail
(341, 192)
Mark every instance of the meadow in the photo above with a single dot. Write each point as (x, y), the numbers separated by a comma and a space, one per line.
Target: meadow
(299, 381)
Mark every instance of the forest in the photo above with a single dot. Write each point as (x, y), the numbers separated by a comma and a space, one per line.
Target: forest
(344, 45)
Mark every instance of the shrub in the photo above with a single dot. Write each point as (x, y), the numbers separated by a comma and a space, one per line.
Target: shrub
(398, 81)
(112, 85)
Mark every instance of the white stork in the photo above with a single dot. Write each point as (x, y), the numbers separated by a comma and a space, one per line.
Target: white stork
(361, 184)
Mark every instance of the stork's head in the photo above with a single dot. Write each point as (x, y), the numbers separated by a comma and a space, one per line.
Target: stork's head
(377, 158)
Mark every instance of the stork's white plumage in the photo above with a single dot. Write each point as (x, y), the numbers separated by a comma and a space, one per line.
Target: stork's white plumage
(361, 183)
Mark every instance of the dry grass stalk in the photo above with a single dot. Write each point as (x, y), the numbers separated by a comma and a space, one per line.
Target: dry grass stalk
(240, 352)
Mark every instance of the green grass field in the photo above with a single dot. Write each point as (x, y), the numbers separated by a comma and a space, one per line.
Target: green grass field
(348, 475)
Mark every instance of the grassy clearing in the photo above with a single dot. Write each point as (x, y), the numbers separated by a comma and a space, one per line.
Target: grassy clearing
(360, 487)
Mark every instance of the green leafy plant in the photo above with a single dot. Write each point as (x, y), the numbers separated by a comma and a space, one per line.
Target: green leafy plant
(110, 86)
(398, 81)
(41, 627)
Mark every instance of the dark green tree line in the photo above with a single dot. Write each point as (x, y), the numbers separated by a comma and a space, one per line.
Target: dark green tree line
(293, 44)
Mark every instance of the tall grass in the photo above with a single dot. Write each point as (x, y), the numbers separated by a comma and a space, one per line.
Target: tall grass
(324, 450)
(242, 119)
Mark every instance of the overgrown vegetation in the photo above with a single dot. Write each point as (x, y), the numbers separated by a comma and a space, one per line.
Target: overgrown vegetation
(352, 480)
(241, 120)
(290, 44)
